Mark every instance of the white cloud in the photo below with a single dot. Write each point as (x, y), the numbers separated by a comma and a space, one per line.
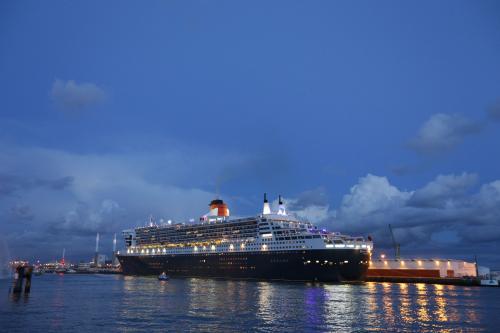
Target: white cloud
(443, 132)
(443, 189)
(69, 95)
(66, 196)
(445, 210)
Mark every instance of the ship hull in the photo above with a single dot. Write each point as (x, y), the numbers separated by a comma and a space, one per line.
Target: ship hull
(300, 265)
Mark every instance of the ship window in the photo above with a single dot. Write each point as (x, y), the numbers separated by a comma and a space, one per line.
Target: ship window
(308, 237)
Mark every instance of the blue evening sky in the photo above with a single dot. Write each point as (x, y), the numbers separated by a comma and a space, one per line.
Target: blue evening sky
(347, 108)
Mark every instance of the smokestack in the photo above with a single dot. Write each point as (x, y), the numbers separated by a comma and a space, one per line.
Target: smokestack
(281, 207)
(266, 209)
(114, 251)
(96, 256)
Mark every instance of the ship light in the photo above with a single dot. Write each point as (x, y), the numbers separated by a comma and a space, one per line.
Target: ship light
(242, 245)
(267, 235)
(317, 261)
(213, 247)
(437, 262)
(196, 248)
(363, 246)
(402, 263)
(142, 251)
(356, 247)
(264, 247)
(419, 262)
(231, 247)
(164, 250)
(340, 245)
(329, 245)
(204, 247)
(385, 262)
(346, 261)
(382, 256)
(128, 251)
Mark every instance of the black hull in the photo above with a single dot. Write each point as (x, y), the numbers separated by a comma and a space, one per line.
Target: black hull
(311, 265)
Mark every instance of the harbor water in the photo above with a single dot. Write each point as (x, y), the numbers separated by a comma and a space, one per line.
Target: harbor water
(114, 303)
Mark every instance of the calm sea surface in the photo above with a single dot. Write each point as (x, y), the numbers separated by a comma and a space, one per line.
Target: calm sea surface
(108, 303)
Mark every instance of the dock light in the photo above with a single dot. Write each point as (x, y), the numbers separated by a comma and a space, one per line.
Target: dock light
(382, 256)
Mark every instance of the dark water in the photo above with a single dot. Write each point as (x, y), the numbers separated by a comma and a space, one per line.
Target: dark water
(101, 303)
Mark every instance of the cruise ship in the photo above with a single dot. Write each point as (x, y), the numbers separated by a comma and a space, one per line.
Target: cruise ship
(269, 246)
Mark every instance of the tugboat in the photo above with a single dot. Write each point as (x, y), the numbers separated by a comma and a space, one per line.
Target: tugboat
(163, 277)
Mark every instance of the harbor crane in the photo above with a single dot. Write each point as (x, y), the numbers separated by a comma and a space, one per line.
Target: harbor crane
(394, 243)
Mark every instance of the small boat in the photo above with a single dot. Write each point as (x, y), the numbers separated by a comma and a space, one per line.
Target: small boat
(489, 283)
(163, 277)
(60, 270)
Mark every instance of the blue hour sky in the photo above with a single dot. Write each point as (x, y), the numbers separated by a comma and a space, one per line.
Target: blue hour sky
(360, 113)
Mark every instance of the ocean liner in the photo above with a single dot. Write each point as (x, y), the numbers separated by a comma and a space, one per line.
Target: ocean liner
(269, 246)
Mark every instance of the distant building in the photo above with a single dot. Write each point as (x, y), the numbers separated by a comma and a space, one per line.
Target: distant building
(421, 268)
(84, 265)
(101, 259)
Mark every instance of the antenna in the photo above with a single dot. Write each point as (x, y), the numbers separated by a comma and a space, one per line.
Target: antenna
(97, 243)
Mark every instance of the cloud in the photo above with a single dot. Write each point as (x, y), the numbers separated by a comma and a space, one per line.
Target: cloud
(10, 184)
(494, 111)
(450, 213)
(71, 96)
(52, 199)
(443, 190)
(443, 132)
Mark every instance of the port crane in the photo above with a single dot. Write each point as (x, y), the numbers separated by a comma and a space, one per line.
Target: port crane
(394, 243)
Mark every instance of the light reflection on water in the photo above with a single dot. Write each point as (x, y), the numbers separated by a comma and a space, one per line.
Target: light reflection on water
(130, 304)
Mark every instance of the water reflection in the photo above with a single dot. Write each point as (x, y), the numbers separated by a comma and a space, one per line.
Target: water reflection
(209, 305)
(406, 304)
